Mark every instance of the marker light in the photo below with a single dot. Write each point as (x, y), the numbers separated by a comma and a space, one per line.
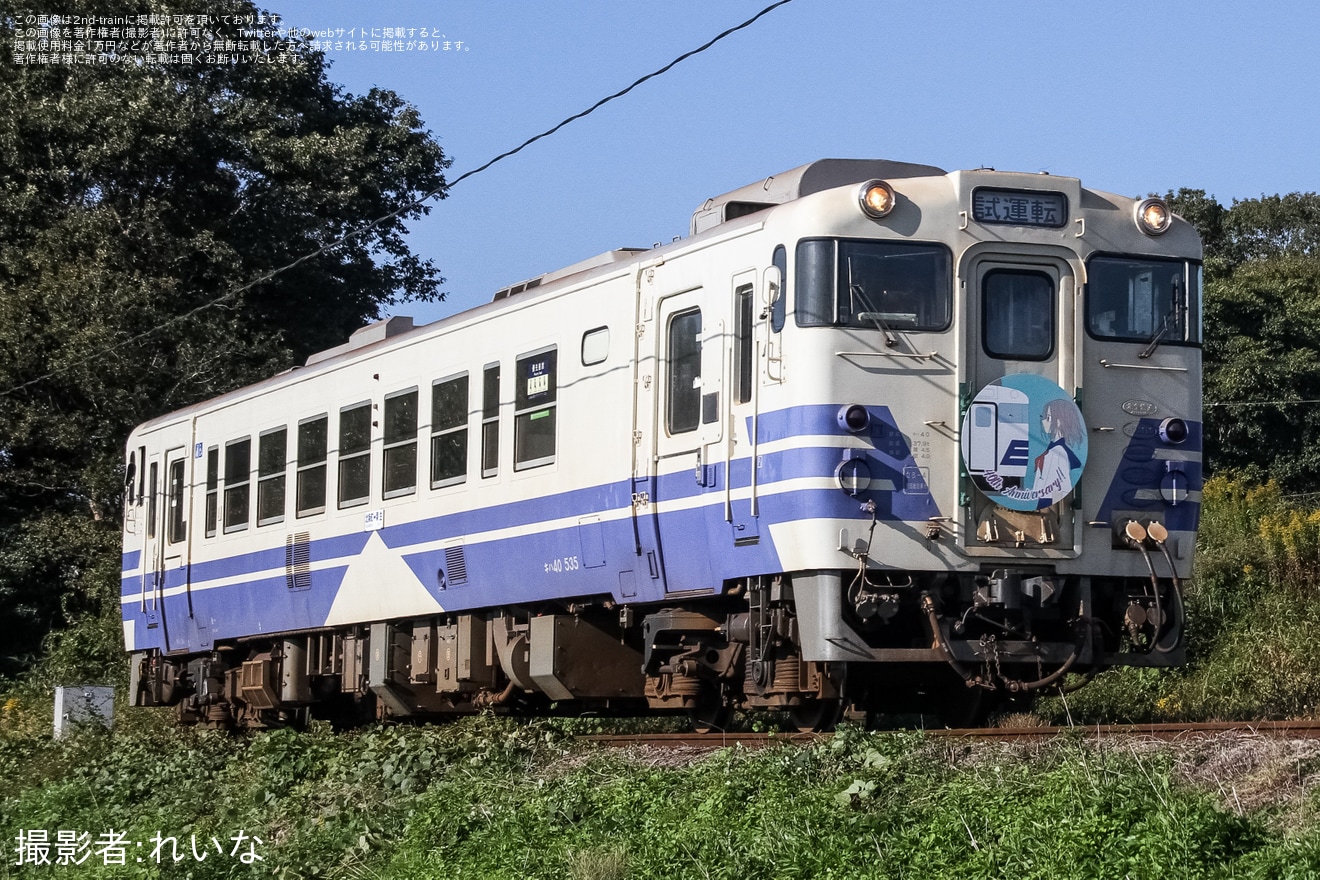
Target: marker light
(854, 418)
(1154, 217)
(1173, 430)
(1173, 488)
(876, 198)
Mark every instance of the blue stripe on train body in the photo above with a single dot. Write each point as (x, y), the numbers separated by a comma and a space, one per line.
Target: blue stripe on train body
(595, 555)
(1146, 462)
(889, 457)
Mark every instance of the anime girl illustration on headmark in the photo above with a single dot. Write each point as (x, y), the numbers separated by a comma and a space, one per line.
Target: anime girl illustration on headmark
(1019, 466)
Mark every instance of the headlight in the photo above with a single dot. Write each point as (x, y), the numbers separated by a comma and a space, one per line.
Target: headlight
(1154, 217)
(876, 198)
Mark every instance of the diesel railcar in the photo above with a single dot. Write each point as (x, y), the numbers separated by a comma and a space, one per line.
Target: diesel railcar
(872, 435)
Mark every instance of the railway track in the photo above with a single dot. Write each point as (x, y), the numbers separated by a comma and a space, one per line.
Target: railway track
(1276, 729)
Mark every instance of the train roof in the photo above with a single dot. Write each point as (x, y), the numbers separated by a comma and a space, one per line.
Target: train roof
(801, 181)
(777, 189)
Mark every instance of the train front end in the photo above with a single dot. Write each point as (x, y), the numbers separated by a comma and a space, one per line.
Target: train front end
(1005, 371)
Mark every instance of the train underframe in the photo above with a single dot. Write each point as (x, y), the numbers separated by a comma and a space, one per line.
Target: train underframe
(955, 647)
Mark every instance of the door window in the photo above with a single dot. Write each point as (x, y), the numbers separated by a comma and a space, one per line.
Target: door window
(683, 412)
(1018, 315)
(177, 529)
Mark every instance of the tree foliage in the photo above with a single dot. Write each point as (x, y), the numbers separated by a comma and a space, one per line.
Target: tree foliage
(134, 199)
(1262, 335)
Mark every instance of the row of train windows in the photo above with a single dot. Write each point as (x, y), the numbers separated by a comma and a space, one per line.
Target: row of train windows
(230, 478)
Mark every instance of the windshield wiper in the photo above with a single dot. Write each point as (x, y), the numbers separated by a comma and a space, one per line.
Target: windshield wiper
(859, 295)
(875, 317)
(1174, 317)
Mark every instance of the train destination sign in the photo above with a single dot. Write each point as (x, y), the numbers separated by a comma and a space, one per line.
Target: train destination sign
(1019, 207)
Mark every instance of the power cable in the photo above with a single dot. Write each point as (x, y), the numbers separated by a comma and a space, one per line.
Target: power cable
(1258, 403)
(416, 203)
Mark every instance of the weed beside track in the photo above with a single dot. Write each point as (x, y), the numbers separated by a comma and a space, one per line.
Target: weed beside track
(490, 797)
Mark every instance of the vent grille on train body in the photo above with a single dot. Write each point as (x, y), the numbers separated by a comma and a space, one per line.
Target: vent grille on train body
(298, 561)
(455, 565)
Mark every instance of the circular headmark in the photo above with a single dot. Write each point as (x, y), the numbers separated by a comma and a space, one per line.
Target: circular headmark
(1024, 442)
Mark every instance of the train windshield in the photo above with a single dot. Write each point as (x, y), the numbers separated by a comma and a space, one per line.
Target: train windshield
(1144, 300)
(873, 285)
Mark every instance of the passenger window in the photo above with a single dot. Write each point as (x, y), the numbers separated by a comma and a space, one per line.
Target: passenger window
(238, 477)
(744, 343)
(683, 413)
(313, 436)
(177, 528)
(272, 456)
(355, 455)
(1018, 315)
(490, 421)
(449, 431)
(400, 444)
(534, 410)
(212, 489)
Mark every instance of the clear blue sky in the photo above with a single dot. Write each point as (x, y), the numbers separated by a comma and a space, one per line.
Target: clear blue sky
(1132, 97)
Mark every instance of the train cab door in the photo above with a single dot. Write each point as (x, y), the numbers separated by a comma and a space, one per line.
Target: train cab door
(144, 520)
(690, 418)
(746, 351)
(1022, 440)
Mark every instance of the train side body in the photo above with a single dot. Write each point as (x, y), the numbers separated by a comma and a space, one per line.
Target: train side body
(805, 458)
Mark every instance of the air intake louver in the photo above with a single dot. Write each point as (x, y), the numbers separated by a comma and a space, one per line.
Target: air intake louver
(455, 565)
(298, 561)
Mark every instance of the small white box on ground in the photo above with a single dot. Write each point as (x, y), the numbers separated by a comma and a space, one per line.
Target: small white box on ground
(86, 704)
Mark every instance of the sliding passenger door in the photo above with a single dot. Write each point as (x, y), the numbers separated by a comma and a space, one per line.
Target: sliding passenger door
(171, 533)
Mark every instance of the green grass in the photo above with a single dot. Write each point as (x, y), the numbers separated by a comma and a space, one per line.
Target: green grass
(498, 798)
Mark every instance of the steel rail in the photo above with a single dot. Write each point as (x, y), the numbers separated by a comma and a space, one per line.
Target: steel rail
(1299, 729)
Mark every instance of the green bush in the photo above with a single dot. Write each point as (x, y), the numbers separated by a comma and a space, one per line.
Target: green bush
(1251, 610)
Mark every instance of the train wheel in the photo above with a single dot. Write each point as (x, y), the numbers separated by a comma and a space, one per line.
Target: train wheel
(816, 715)
(961, 706)
(710, 714)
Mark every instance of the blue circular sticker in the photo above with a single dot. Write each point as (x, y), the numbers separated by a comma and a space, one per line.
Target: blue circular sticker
(1024, 442)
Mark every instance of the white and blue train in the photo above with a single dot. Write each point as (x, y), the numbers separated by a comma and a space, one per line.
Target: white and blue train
(873, 435)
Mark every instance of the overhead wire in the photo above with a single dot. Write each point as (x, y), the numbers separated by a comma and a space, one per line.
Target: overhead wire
(415, 203)
(1258, 403)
